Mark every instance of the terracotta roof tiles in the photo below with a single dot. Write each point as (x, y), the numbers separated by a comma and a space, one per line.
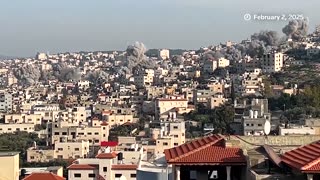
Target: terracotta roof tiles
(82, 167)
(305, 158)
(107, 155)
(124, 167)
(42, 176)
(207, 150)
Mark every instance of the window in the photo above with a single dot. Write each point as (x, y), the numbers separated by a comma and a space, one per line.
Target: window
(64, 133)
(176, 136)
(91, 175)
(105, 169)
(117, 175)
(77, 175)
(259, 124)
(56, 133)
(165, 144)
(89, 133)
(60, 149)
(61, 157)
(31, 157)
(9, 129)
(76, 149)
(133, 175)
(175, 127)
(175, 144)
(96, 133)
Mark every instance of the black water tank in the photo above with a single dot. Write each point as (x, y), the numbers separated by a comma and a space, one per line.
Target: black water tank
(120, 156)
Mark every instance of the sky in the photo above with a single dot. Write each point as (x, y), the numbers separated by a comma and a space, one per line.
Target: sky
(28, 27)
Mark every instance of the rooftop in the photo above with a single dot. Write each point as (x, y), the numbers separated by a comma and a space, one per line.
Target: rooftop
(205, 151)
(42, 176)
(2, 154)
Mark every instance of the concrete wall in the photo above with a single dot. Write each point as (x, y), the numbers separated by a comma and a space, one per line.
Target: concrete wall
(147, 175)
(250, 142)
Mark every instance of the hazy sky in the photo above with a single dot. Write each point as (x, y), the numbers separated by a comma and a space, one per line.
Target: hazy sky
(30, 26)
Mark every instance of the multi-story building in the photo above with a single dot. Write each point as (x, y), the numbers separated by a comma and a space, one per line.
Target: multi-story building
(94, 134)
(9, 166)
(210, 66)
(107, 165)
(165, 105)
(11, 128)
(164, 54)
(117, 119)
(272, 62)
(223, 62)
(23, 118)
(216, 101)
(254, 120)
(71, 149)
(5, 102)
(202, 96)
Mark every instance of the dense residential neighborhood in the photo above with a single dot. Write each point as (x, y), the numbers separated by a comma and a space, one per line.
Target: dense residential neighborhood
(247, 110)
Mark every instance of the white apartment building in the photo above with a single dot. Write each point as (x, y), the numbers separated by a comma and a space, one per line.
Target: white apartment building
(23, 118)
(71, 149)
(164, 105)
(6, 102)
(107, 165)
(164, 54)
(272, 62)
(223, 62)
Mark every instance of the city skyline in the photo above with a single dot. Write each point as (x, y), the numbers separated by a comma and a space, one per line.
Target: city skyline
(92, 26)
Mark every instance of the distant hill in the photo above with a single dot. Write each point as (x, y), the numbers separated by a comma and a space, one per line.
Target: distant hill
(3, 57)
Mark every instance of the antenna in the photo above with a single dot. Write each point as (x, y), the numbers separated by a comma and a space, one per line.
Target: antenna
(267, 127)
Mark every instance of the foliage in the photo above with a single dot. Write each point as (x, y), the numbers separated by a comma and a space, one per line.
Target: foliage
(220, 117)
(19, 141)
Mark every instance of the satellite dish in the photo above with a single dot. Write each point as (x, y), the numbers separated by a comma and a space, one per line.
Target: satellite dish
(267, 127)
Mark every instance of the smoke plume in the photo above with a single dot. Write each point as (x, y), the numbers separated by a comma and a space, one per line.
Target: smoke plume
(28, 74)
(136, 59)
(296, 29)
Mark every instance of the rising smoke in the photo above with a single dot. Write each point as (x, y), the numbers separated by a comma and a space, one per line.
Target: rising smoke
(28, 74)
(296, 29)
(136, 59)
(65, 73)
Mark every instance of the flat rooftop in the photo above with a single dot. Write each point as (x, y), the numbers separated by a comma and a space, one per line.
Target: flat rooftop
(8, 153)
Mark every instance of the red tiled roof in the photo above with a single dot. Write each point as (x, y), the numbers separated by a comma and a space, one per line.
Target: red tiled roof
(104, 123)
(107, 155)
(82, 167)
(305, 158)
(108, 143)
(205, 151)
(42, 176)
(124, 167)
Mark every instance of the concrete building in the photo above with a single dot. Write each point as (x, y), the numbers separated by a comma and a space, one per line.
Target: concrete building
(164, 54)
(223, 62)
(210, 66)
(11, 128)
(164, 105)
(71, 149)
(202, 96)
(9, 166)
(6, 102)
(254, 120)
(272, 62)
(216, 101)
(118, 119)
(107, 165)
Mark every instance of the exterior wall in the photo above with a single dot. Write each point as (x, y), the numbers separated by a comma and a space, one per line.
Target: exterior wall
(144, 174)
(40, 155)
(210, 66)
(6, 102)
(66, 150)
(84, 174)
(9, 167)
(164, 54)
(216, 87)
(216, 102)
(11, 128)
(223, 62)
(119, 119)
(126, 173)
(296, 130)
(163, 106)
(272, 62)
(23, 118)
